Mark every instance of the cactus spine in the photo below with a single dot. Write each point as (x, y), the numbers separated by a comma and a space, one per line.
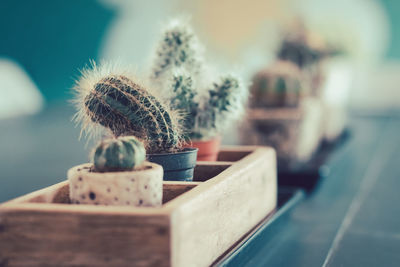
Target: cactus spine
(127, 108)
(118, 154)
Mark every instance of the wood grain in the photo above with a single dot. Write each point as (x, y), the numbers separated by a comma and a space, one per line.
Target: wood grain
(47, 238)
(206, 170)
(223, 209)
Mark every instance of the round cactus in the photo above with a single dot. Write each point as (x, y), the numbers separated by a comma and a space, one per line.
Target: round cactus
(280, 85)
(118, 154)
(127, 108)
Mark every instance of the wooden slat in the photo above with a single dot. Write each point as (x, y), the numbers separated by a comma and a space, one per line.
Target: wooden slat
(206, 170)
(173, 189)
(46, 237)
(208, 219)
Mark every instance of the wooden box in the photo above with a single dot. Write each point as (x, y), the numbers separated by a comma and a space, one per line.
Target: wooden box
(198, 221)
(295, 132)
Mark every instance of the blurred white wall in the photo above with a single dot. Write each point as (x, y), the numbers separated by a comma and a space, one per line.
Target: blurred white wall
(132, 35)
(19, 95)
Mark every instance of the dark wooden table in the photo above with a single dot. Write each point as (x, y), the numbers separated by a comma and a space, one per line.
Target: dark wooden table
(351, 219)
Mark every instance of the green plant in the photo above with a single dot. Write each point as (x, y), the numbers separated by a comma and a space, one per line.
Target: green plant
(224, 104)
(118, 154)
(180, 72)
(126, 108)
(298, 52)
(280, 85)
(178, 47)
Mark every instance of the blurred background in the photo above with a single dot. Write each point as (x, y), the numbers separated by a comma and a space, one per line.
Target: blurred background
(45, 43)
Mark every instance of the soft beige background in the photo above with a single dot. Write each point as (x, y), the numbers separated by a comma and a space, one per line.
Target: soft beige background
(243, 34)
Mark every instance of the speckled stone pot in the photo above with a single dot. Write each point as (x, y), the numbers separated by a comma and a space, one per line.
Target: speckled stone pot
(142, 187)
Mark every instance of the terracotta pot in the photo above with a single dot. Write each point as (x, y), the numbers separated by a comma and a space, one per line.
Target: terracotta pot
(178, 166)
(142, 187)
(208, 149)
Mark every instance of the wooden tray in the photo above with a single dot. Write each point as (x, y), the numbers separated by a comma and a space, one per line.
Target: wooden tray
(197, 223)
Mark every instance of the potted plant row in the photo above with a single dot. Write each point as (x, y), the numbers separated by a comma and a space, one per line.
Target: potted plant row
(143, 167)
(285, 110)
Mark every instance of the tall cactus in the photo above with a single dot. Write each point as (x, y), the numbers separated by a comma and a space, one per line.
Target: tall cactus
(298, 52)
(127, 108)
(118, 154)
(225, 103)
(178, 48)
(185, 99)
(208, 109)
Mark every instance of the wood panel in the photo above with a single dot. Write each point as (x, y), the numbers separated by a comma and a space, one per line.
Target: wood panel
(207, 220)
(206, 170)
(50, 238)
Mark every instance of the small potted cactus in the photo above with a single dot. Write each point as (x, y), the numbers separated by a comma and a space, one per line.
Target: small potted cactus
(277, 86)
(210, 104)
(285, 109)
(112, 100)
(119, 175)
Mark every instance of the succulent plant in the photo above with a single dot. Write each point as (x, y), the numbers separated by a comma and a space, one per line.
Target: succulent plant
(178, 47)
(184, 98)
(280, 85)
(225, 102)
(118, 154)
(299, 53)
(179, 64)
(126, 108)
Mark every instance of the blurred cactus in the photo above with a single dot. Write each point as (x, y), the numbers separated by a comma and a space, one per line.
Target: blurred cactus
(299, 53)
(118, 154)
(277, 86)
(178, 47)
(184, 98)
(225, 103)
(208, 109)
(127, 108)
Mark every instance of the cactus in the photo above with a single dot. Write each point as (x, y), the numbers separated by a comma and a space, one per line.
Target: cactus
(178, 47)
(277, 86)
(208, 109)
(127, 108)
(118, 154)
(299, 53)
(225, 103)
(184, 98)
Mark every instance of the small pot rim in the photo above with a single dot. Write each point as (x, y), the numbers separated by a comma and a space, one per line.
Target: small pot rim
(185, 150)
(216, 138)
(87, 168)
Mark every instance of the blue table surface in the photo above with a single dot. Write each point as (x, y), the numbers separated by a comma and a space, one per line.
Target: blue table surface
(351, 219)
